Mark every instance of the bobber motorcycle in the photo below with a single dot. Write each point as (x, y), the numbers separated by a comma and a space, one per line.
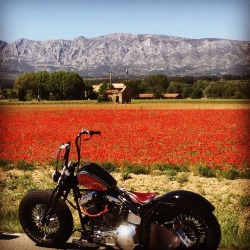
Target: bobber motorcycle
(112, 217)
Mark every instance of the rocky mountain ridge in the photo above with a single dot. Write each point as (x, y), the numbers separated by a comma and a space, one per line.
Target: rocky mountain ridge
(140, 54)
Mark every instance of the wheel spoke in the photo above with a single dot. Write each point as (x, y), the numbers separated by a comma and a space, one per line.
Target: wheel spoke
(193, 227)
(50, 227)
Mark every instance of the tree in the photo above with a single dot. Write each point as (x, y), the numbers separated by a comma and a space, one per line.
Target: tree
(183, 79)
(156, 84)
(25, 82)
(42, 82)
(186, 91)
(215, 90)
(57, 85)
(243, 89)
(102, 97)
(144, 87)
(133, 85)
(3, 92)
(62, 85)
(175, 87)
(196, 92)
(74, 86)
(54, 85)
(89, 90)
(11, 93)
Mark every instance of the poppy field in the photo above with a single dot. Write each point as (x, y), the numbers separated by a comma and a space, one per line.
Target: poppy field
(135, 134)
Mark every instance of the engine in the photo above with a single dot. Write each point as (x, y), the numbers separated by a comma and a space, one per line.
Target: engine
(112, 223)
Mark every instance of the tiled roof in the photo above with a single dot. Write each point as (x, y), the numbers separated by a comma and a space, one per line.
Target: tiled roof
(146, 95)
(171, 95)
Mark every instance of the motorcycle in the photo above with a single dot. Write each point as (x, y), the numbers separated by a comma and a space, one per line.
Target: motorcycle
(114, 217)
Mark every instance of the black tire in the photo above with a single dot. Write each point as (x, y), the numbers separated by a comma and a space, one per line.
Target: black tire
(201, 227)
(57, 231)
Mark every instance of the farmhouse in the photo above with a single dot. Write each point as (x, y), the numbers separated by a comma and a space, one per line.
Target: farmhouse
(120, 93)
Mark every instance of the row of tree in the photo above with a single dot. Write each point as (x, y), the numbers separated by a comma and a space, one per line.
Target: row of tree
(62, 85)
(190, 87)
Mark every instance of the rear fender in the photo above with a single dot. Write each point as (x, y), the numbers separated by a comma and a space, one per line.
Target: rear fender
(180, 200)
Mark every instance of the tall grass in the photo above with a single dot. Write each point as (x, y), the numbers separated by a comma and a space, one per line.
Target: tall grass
(233, 216)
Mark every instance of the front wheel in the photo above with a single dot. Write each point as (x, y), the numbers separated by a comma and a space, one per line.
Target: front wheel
(56, 230)
(202, 229)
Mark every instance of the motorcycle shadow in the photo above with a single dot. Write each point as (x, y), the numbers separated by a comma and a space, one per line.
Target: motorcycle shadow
(71, 246)
(5, 236)
(14, 241)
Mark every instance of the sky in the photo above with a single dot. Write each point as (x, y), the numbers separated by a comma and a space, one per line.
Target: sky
(68, 19)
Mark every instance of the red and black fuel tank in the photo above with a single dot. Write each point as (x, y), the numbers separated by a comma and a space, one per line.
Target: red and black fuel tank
(93, 176)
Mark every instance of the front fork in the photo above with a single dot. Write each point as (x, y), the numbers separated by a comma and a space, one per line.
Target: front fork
(60, 192)
(57, 193)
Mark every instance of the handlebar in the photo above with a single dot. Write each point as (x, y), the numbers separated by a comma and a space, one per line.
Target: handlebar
(67, 146)
(84, 132)
(89, 132)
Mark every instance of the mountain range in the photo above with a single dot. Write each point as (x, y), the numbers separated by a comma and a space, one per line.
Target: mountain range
(139, 54)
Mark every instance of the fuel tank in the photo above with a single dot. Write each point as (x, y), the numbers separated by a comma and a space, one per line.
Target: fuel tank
(94, 177)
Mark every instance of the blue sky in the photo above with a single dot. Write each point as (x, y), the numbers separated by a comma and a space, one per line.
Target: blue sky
(69, 19)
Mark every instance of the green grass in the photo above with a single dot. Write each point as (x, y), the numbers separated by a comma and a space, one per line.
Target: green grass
(206, 172)
(135, 169)
(234, 221)
(182, 178)
(110, 166)
(23, 165)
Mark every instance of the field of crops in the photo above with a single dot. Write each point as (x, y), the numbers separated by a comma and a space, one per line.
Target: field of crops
(162, 134)
(139, 134)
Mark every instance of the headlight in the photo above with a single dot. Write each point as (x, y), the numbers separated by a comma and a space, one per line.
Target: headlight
(55, 176)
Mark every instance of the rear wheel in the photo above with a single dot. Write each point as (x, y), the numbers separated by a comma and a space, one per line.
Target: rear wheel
(56, 230)
(202, 229)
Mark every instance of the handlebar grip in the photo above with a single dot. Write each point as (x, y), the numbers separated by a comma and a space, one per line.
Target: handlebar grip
(89, 132)
(92, 132)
